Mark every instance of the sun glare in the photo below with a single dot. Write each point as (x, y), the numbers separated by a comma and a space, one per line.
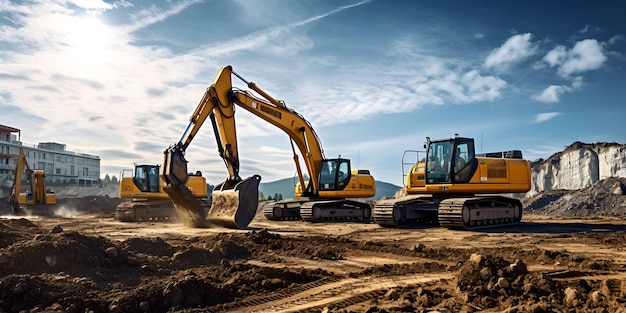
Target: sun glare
(88, 41)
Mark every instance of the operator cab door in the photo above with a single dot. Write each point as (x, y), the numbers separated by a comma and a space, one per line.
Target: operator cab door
(449, 160)
(439, 159)
(334, 174)
(464, 164)
(146, 178)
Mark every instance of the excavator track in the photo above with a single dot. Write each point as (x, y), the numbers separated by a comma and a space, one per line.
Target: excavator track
(335, 210)
(407, 211)
(479, 212)
(456, 213)
(285, 210)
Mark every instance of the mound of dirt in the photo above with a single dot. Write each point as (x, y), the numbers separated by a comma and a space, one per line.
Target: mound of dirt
(86, 261)
(68, 206)
(490, 282)
(606, 197)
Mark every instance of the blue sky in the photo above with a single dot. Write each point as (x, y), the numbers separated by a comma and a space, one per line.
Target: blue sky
(119, 79)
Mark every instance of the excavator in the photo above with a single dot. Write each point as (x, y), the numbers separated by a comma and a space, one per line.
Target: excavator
(37, 199)
(458, 189)
(330, 198)
(148, 200)
(235, 201)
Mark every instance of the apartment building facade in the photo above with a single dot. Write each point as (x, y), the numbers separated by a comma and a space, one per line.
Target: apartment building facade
(62, 167)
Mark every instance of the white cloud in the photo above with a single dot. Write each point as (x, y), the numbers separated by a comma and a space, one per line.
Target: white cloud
(542, 117)
(586, 55)
(482, 88)
(514, 50)
(552, 93)
(556, 56)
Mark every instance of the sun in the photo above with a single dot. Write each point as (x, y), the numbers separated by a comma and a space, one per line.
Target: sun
(88, 41)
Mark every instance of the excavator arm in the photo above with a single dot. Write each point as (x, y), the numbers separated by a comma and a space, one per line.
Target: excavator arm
(17, 181)
(293, 124)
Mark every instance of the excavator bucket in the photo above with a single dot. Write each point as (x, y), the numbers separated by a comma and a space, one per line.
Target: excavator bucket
(188, 207)
(235, 207)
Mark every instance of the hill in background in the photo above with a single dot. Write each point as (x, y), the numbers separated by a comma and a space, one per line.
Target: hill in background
(285, 187)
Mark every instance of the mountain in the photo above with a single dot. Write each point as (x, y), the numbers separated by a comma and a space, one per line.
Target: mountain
(285, 187)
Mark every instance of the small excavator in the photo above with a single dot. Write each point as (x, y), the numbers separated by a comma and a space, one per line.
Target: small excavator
(148, 200)
(37, 199)
(235, 201)
(456, 188)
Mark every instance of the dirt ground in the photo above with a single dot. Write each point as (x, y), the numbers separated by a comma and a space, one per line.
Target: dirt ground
(83, 260)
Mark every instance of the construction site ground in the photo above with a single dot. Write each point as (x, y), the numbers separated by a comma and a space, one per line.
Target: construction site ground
(83, 260)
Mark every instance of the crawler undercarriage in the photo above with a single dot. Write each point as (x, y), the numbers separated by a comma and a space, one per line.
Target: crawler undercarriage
(468, 212)
(319, 210)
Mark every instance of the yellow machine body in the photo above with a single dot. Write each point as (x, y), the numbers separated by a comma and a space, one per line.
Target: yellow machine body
(455, 187)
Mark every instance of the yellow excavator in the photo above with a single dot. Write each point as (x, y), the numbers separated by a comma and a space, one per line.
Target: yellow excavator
(457, 188)
(37, 199)
(235, 201)
(148, 200)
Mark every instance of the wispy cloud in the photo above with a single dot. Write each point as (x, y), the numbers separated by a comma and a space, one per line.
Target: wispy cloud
(154, 14)
(543, 117)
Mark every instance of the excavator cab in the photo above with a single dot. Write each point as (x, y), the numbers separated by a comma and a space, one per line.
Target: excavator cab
(146, 177)
(448, 159)
(334, 174)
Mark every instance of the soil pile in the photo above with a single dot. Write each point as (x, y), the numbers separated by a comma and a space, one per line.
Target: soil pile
(491, 282)
(606, 197)
(66, 271)
(67, 207)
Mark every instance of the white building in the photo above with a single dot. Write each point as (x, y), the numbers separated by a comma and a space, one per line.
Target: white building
(62, 167)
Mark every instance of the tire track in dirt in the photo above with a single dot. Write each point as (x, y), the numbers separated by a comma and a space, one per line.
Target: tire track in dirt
(341, 293)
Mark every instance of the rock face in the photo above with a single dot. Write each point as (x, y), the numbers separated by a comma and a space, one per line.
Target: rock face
(579, 166)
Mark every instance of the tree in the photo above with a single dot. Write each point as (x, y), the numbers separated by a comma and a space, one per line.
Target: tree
(107, 179)
(114, 179)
